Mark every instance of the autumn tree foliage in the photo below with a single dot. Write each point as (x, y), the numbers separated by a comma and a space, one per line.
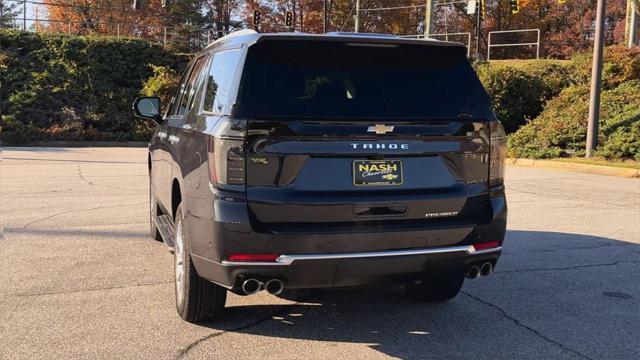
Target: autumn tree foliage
(565, 27)
(103, 17)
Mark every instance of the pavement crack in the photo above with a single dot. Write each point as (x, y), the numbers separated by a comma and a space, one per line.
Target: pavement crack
(569, 267)
(56, 214)
(82, 176)
(528, 328)
(76, 210)
(27, 295)
(281, 310)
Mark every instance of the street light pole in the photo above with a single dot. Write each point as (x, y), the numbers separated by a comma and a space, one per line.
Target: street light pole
(596, 77)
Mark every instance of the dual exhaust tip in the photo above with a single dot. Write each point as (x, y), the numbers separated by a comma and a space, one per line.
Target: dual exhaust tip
(475, 271)
(252, 286)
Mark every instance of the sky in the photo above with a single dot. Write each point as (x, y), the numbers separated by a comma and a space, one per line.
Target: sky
(31, 12)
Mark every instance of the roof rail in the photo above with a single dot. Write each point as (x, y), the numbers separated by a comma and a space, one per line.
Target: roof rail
(360, 34)
(236, 33)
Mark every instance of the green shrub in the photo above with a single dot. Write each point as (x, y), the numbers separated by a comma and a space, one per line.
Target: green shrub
(519, 89)
(516, 95)
(561, 128)
(58, 87)
(163, 83)
(554, 76)
(620, 64)
(624, 143)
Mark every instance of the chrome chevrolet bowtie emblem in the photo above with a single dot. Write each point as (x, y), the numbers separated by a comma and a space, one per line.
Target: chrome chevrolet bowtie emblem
(380, 129)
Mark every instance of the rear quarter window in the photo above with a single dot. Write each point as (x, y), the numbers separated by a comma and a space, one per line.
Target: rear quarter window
(219, 79)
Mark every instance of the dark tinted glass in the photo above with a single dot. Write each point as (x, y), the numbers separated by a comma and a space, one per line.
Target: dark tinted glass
(350, 80)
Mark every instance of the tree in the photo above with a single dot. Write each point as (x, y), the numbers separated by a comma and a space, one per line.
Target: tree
(8, 11)
(106, 17)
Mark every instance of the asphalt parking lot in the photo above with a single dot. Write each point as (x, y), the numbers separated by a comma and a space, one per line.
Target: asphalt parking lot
(80, 278)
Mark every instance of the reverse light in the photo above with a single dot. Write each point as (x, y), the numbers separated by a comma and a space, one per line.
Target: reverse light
(498, 153)
(253, 257)
(486, 245)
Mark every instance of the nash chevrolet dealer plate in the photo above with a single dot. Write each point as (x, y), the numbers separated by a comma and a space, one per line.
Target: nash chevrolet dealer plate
(377, 172)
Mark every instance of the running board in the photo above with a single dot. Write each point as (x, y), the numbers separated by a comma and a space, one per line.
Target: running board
(165, 226)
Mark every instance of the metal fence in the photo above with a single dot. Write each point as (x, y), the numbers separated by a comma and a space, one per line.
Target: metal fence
(507, 42)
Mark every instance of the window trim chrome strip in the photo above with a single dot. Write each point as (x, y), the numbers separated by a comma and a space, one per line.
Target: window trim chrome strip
(285, 260)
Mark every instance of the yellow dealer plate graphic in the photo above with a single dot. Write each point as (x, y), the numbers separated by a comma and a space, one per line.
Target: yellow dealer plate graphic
(377, 172)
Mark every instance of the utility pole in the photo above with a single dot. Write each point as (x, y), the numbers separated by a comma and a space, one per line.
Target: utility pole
(24, 15)
(596, 77)
(324, 16)
(428, 18)
(632, 22)
(357, 20)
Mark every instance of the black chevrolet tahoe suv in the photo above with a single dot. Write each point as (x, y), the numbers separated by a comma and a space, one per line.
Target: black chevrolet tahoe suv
(299, 161)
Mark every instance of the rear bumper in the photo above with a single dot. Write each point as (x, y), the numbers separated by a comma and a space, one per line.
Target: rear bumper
(311, 260)
(348, 269)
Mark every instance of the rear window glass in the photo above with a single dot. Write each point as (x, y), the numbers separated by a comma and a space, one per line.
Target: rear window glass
(314, 79)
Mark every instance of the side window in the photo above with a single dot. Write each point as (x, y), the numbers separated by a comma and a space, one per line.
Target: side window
(181, 87)
(221, 71)
(200, 77)
(187, 89)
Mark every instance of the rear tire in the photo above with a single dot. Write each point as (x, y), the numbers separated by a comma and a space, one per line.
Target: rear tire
(436, 287)
(197, 299)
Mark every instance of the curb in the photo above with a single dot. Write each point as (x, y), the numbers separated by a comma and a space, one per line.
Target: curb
(85, 144)
(576, 167)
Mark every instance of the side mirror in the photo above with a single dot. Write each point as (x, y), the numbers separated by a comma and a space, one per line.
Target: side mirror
(147, 108)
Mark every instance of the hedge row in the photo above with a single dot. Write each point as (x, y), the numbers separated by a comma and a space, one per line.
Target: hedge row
(58, 87)
(520, 89)
(561, 128)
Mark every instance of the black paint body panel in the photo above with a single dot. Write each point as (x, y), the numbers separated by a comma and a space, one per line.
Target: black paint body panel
(299, 196)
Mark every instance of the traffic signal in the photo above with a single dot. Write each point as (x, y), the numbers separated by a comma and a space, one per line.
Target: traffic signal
(288, 19)
(483, 9)
(137, 4)
(256, 17)
(562, 1)
(515, 6)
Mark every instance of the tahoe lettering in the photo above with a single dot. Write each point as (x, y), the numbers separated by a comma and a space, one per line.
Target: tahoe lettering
(379, 146)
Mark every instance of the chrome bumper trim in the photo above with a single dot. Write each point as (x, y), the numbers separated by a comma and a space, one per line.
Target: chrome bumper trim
(284, 260)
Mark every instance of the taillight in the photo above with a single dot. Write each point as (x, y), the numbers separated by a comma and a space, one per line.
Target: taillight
(498, 153)
(226, 161)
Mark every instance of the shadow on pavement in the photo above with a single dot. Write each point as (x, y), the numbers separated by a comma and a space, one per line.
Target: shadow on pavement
(507, 315)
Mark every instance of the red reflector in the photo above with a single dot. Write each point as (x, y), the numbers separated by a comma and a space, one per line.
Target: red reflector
(487, 245)
(253, 257)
